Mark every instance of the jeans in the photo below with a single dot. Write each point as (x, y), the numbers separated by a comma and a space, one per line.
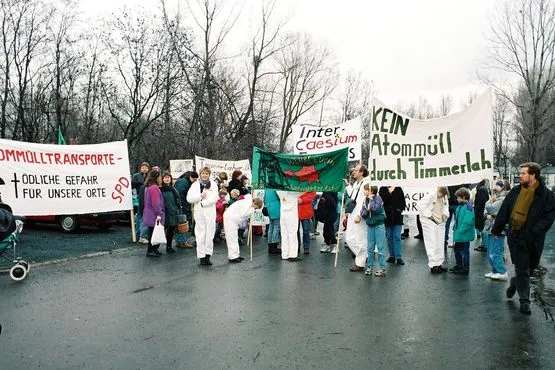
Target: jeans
(452, 209)
(274, 231)
(141, 231)
(496, 247)
(462, 255)
(393, 234)
(307, 227)
(376, 238)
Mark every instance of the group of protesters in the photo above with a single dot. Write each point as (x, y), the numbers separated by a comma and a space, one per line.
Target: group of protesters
(372, 220)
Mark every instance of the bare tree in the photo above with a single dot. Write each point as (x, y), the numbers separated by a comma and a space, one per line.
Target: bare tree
(445, 105)
(138, 51)
(523, 46)
(305, 79)
(501, 135)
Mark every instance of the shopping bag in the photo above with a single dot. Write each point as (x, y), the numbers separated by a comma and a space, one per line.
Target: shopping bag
(158, 235)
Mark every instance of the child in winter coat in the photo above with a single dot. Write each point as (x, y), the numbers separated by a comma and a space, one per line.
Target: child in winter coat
(373, 213)
(221, 206)
(463, 232)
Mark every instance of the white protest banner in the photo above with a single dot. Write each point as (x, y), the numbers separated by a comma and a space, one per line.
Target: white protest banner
(179, 166)
(315, 139)
(223, 166)
(47, 179)
(413, 196)
(258, 218)
(456, 149)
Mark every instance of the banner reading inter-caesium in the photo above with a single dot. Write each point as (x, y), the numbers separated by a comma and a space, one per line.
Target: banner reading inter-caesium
(46, 179)
(313, 139)
(452, 150)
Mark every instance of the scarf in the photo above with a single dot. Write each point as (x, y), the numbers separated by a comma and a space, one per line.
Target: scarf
(204, 184)
(519, 213)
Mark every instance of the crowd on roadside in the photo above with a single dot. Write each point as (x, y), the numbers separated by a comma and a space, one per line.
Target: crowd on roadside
(371, 219)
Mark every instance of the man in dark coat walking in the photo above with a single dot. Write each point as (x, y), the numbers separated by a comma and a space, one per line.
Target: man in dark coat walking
(529, 211)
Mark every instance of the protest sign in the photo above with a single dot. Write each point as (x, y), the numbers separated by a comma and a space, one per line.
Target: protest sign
(179, 166)
(217, 166)
(46, 179)
(452, 150)
(313, 139)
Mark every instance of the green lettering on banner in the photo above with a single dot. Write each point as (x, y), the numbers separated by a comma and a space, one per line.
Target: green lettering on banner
(422, 172)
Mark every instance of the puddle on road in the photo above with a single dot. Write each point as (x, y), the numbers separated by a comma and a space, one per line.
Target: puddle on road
(543, 295)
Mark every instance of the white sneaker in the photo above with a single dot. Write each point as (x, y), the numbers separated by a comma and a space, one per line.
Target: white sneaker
(368, 272)
(143, 240)
(335, 250)
(498, 276)
(325, 249)
(312, 237)
(489, 275)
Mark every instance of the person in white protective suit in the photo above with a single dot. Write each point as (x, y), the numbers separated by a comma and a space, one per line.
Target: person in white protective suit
(234, 215)
(356, 234)
(203, 194)
(289, 224)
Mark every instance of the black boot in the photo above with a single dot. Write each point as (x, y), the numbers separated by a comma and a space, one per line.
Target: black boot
(203, 261)
(207, 258)
(151, 252)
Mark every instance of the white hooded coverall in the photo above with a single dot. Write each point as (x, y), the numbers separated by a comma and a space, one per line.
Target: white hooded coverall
(205, 216)
(357, 234)
(233, 216)
(289, 223)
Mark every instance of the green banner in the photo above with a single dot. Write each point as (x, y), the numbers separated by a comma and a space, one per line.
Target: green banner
(308, 172)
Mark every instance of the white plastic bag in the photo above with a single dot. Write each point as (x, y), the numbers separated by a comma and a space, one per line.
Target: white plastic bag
(158, 235)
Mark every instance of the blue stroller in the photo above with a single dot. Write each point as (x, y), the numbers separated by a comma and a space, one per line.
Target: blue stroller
(10, 229)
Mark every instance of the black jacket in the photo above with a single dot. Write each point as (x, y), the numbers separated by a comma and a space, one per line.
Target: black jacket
(394, 204)
(540, 215)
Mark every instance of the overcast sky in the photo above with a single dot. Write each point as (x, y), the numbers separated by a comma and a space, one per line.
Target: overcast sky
(408, 48)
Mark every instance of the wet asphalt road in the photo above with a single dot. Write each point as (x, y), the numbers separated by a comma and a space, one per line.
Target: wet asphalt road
(124, 311)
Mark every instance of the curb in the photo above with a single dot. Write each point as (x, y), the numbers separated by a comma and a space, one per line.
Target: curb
(75, 258)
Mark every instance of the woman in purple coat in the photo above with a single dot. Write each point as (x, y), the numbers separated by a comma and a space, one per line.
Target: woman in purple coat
(153, 209)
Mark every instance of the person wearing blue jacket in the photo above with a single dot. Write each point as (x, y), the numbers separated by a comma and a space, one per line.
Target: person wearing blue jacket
(271, 202)
(463, 232)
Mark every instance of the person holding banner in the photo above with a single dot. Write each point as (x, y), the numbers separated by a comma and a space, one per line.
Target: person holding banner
(289, 223)
(237, 213)
(434, 210)
(203, 194)
(153, 209)
(306, 213)
(357, 232)
(271, 200)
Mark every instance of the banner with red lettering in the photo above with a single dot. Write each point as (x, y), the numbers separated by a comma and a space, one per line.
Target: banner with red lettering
(47, 179)
(309, 139)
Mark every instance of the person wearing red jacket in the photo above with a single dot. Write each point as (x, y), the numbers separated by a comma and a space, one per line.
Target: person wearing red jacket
(306, 213)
